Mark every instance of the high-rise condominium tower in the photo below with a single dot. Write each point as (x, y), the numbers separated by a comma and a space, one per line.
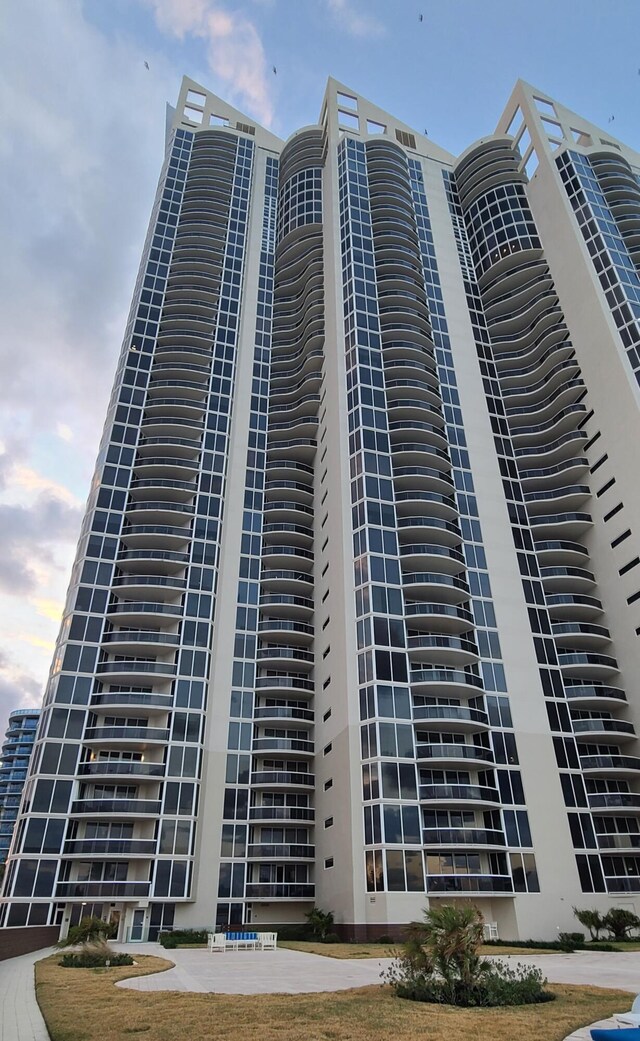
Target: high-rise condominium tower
(354, 616)
(14, 763)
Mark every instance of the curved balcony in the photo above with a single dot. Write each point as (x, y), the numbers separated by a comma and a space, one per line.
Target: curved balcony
(451, 718)
(269, 814)
(573, 606)
(151, 587)
(99, 768)
(592, 695)
(130, 612)
(422, 478)
(280, 851)
(559, 579)
(301, 448)
(146, 704)
(409, 502)
(427, 528)
(279, 557)
(296, 632)
(102, 890)
(448, 681)
(280, 891)
(447, 588)
(619, 841)
(116, 807)
(422, 556)
(587, 664)
(149, 512)
(160, 561)
(441, 618)
(116, 848)
(131, 671)
(285, 686)
(613, 803)
(276, 746)
(608, 727)
(462, 837)
(274, 580)
(610, 765)
(446, 650)
(569, 525)
(166, 445)
(554, 551)
(126, 641)
(414, 453)
(174, 489)
(276, 714)
(124, 736)
(156, 536)
(494, 885)
(288, 605)
(553, 453)
(286, 656)
(581, 634)
(454, 795)
(282, 779)
(288, 511)
(564, 499)
(456, 754)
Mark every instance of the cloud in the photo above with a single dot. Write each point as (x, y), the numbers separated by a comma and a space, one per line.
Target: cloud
(354, 23)
(234, 49)
(18, 689)
(64, 432)
(28, 533)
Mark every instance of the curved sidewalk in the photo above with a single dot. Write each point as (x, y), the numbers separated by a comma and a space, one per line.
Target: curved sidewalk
(20, 1016)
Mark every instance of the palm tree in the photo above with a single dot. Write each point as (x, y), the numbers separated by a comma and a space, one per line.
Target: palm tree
(453, 936)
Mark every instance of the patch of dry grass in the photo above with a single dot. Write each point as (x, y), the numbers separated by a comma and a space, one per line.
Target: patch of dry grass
(84, 1005)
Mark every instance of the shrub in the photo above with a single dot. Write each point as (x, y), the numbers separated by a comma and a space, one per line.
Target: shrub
(331, 938)
(95, 955)
(591, 919)
(571, 941)
(173, 939)
(320, 922)
(543, 945)
(619, 922)
(293, 932)
(384, 939)
(88, 929)
(440, 964)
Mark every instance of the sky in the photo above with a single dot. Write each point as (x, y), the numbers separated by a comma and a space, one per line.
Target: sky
(81, 144)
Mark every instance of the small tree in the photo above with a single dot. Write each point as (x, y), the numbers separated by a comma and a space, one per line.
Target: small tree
(89, 929)
(320, 922)
(620, 922)
(591, 919)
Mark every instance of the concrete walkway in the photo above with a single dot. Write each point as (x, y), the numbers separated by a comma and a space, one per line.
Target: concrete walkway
(255, 972)
(20, 1016)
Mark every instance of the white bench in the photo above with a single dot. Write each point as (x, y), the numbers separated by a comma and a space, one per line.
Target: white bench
(238, 941)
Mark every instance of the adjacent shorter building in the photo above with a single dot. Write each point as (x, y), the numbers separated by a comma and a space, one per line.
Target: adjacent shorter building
(355, 610)
(14, 765)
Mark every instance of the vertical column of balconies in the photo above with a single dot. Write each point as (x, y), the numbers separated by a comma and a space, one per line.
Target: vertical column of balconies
(595, 190)
(61, 799)
(280, 843)
(541, 409)
(621, 188)
(460, 800)
(127, 810)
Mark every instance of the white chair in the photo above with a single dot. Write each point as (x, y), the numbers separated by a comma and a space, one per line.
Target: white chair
(216, 942)
(490, 931)
(632, 1018)
(268, 941)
